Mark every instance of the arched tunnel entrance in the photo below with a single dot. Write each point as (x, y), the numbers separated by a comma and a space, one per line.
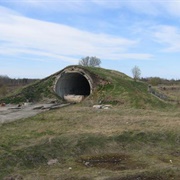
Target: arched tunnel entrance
(73, 83)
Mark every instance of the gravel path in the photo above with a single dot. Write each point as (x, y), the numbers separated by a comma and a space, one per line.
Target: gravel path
(11, 113)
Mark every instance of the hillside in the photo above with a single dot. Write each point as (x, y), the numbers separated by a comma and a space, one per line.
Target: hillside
(112, 87)
(9, 85)
(123, 90)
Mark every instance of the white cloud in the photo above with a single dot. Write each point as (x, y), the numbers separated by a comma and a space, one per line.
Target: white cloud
(150, 7)
(66, 6)
(22, 35)
(83, 6)
(173, 7)
(169, 36)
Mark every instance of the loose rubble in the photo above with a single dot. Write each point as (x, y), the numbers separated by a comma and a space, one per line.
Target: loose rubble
(107, 106)
(52, 162)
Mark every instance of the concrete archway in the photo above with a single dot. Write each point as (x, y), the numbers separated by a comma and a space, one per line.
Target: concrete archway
(73, 81)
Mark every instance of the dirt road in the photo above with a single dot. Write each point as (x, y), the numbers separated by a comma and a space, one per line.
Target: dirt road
(11, 113)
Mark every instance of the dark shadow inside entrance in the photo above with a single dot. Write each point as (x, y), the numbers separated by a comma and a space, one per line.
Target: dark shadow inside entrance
(72, 84)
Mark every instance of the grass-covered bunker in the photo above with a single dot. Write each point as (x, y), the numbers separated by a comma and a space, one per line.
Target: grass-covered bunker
(74, 83)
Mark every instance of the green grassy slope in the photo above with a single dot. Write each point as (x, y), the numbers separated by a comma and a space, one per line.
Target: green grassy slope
(35, 92)
(120, 89)
(123, 90)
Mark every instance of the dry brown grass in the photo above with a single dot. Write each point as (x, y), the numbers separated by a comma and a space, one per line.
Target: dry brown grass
(172, 91)
(93, 132)
(115, 120)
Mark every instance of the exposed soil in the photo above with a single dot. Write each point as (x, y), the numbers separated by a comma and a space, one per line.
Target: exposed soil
(120, 162)
(115, 162)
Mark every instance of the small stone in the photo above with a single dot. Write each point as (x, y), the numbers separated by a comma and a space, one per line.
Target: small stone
(52, 161)
(97, 106)
(70, 168)
(87, 163)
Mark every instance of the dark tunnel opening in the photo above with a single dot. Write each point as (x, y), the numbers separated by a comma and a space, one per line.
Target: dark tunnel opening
(72, 84)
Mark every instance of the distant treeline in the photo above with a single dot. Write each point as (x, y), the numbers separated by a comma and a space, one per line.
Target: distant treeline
(157, 80)
(8, 85)
(7, 81)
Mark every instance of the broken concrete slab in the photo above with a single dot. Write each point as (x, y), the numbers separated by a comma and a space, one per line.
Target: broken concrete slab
(102, 106)
(11, 112)
(74, 98)
(97, 106)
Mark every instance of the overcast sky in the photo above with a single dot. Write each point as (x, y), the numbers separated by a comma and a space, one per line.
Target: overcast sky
(40, 37)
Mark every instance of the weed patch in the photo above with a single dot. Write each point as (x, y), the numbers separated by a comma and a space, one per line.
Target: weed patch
(148, 137)
(87, 142)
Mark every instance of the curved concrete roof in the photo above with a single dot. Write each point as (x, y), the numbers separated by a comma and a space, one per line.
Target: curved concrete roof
(74, 81)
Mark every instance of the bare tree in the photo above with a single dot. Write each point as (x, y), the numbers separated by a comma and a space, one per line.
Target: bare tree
(95, 62)
(136, 72)
(90, 61)
(84, 61)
